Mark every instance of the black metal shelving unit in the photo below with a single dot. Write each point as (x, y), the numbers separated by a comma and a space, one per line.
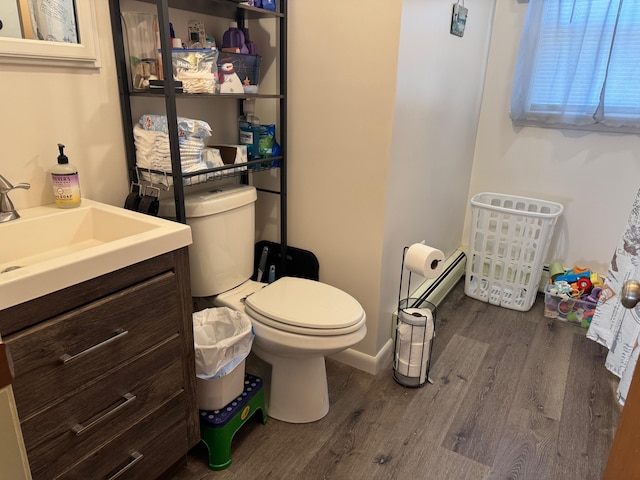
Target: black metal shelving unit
(218, 8)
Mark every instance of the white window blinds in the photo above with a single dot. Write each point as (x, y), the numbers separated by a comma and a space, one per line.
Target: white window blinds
(579, 65)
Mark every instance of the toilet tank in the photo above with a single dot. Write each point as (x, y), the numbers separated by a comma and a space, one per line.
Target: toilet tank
(222, 222)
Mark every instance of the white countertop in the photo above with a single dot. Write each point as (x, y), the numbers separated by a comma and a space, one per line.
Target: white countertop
(56, 248)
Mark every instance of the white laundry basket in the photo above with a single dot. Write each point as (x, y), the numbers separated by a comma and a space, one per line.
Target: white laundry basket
(509, 241)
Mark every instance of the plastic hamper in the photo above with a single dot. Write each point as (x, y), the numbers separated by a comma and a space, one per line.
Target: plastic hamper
(510, 238)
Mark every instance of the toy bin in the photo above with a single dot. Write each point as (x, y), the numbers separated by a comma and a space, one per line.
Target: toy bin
(196, 69)
(509, 240)
(241, 69)
(568, 309)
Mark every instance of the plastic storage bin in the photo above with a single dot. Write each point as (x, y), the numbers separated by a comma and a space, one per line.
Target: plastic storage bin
(510, 238)
(567, 309)
(246, 67)
(197, 69)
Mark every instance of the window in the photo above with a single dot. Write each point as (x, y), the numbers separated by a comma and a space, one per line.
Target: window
(579, 66)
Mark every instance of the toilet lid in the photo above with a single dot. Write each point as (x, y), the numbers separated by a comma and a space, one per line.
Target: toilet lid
(295, 304)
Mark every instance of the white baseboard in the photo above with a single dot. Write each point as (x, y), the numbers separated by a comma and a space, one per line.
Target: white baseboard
(433, 291)
(364, 362)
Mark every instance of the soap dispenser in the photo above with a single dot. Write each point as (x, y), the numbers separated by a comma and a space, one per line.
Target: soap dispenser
(66, 184)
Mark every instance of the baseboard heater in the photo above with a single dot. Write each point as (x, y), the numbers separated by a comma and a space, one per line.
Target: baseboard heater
(435, 290)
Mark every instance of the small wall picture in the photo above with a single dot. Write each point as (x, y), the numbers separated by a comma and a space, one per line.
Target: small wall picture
(458, 19)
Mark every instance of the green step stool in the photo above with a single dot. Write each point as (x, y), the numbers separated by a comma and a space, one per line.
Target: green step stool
(218, 427)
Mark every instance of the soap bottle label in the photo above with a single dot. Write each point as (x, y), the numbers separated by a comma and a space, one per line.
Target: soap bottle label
(249, 137)
(66, 188)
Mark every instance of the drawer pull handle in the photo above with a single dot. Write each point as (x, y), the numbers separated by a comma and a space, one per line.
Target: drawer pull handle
(66, 358)
(79, 429)
(135, 458)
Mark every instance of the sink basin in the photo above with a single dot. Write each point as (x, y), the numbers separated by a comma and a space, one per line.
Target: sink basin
(49, 248)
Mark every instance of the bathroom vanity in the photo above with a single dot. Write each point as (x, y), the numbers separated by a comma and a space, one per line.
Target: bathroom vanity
(104, 368)
(104, 373)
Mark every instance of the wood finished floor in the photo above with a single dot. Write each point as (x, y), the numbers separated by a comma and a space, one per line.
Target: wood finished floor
(515, 396)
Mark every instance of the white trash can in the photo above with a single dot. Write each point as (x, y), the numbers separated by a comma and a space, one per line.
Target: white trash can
(222, 342)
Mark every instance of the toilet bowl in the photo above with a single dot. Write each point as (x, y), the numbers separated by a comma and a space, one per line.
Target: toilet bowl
(297, 322)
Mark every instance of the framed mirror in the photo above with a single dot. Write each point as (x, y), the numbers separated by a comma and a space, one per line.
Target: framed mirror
(50, 32)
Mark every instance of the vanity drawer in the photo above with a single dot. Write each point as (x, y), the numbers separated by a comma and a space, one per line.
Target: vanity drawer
(56, 357)
(71, 429)
(144, 451)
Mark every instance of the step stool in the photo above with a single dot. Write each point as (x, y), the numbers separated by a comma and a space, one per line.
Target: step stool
(218, 427)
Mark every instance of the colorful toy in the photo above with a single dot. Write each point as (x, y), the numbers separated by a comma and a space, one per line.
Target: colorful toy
(572, 277)
(572, 296)
(584, 285)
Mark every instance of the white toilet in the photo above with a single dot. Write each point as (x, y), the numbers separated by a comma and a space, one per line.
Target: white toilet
(296, 321)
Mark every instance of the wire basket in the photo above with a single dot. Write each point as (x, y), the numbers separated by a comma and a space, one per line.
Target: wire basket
(415, 329)
(509, 241)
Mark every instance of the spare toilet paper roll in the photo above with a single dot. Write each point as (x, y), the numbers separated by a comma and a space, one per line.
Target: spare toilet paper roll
(424, 260)
(413, 371)
(415, 331)
(413, 321)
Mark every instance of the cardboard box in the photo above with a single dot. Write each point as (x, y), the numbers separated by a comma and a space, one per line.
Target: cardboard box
(232, 154)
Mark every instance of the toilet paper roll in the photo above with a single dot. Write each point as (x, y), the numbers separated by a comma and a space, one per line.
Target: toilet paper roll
(415, 331)
(411, 327)
(424, 260)
(415, 354)
(413, 371)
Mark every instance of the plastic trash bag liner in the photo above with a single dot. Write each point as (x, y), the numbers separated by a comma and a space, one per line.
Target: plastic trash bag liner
(222, 339)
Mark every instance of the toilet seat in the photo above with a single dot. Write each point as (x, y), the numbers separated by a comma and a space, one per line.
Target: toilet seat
(307, 307)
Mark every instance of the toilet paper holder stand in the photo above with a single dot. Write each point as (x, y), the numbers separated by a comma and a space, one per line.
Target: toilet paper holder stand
(414, 333)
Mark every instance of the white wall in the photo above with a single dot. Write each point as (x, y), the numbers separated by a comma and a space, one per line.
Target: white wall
(594, 175)
(342, 58)
(437, 104)
(366, 159)
(376, 162)
(376, 165)
(44, 106)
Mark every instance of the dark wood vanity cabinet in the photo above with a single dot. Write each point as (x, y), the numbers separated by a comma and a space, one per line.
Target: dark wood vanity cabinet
(105, 374)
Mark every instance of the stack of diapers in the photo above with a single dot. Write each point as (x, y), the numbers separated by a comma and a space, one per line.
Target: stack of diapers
(151, 136)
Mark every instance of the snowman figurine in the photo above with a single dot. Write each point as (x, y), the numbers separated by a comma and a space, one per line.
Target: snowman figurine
(229, 80)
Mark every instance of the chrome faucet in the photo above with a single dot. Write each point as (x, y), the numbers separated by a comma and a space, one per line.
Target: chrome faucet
(7, 210)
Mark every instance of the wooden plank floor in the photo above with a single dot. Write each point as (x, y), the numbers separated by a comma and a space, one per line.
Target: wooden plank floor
(515, 396)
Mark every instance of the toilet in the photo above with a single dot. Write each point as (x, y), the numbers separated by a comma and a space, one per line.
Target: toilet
(296, 321)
